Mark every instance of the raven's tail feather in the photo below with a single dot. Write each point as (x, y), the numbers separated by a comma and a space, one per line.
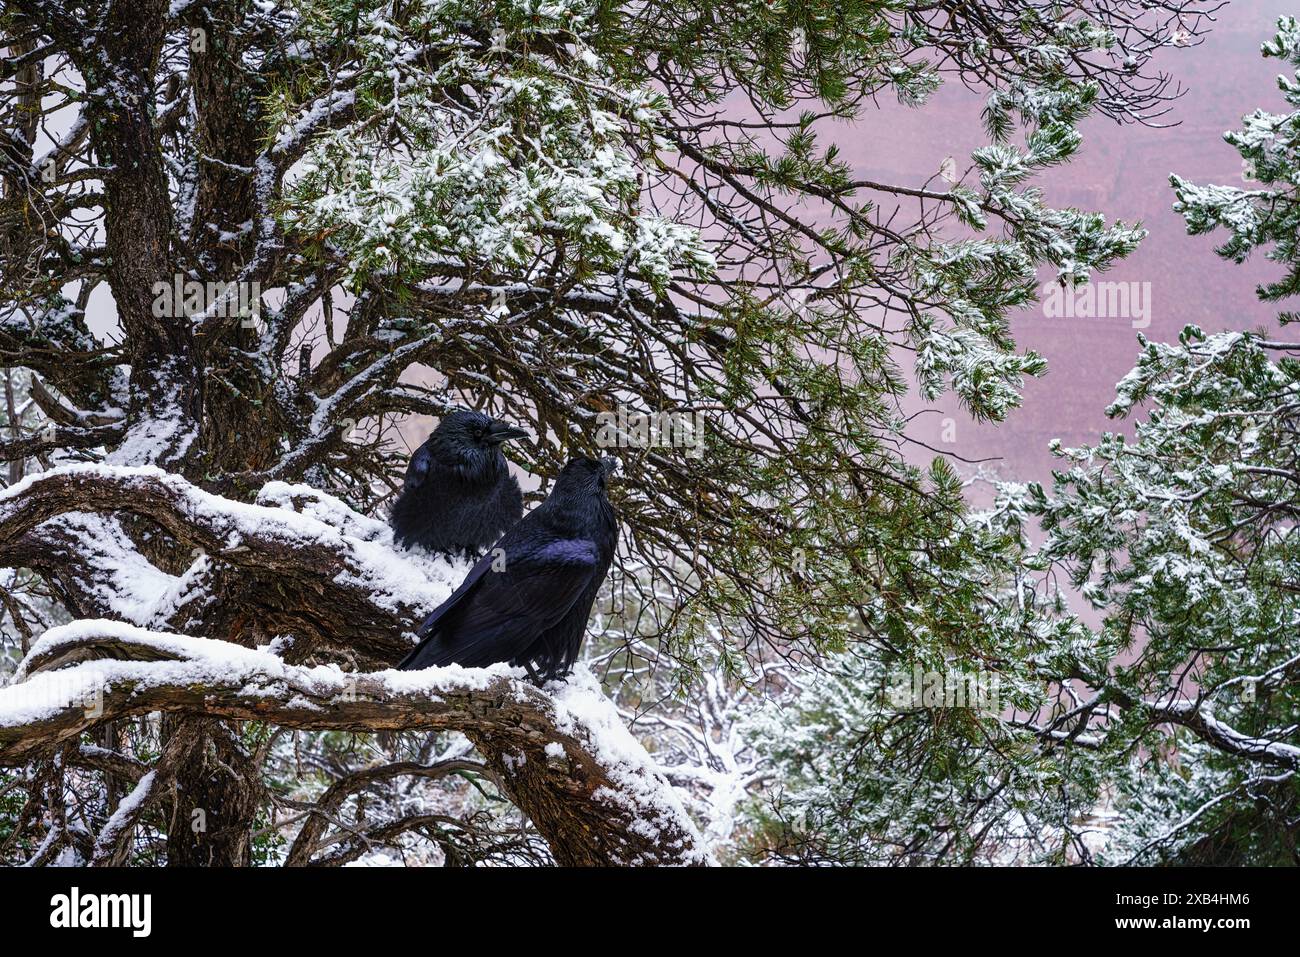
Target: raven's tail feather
(429, 653)
(426, 633)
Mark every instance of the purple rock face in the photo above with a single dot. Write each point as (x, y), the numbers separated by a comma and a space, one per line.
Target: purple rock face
(1123, 172)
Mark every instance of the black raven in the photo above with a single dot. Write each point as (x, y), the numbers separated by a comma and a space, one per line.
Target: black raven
(527, 602)
(459, 496)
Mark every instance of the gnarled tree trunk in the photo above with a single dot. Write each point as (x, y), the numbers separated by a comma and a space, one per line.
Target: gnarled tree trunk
(561, 754)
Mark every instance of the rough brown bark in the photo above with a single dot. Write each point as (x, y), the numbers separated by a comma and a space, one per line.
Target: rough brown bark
(189, 184)
(273, 581)
(217, 786)
(593, 803)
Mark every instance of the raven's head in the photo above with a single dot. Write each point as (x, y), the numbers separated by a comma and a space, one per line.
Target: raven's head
(583, 475)
(469, 443)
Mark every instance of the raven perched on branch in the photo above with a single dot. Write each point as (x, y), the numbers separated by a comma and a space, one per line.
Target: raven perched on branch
(459, 496)
(527, 603)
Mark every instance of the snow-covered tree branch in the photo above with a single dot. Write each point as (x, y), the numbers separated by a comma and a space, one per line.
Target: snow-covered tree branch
(565, 758)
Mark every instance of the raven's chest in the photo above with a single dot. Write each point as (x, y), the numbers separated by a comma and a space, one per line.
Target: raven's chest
(456, 516)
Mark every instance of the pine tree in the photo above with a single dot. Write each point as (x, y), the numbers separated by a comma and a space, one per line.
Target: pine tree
(564, 211)
(1168, 734)
(1186, 533)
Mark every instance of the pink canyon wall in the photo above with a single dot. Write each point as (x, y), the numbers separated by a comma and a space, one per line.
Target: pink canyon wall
(1123, 172)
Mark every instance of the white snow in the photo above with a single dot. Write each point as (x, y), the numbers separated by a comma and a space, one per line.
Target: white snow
(403, 582)
(583, 711)
(125, 809)
(187, 660)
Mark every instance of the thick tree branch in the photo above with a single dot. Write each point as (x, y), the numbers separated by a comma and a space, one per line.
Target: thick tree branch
(562, 753)
(281, 565)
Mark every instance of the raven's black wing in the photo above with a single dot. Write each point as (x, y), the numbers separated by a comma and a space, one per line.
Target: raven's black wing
(498, 615)
(417, 468)
(431, 623)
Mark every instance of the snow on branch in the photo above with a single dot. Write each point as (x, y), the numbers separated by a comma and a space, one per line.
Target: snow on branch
(562, 753)
(280, 557)
(93, 670)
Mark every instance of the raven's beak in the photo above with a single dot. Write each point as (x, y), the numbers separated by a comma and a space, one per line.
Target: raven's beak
(609, 465)
(498, 432)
